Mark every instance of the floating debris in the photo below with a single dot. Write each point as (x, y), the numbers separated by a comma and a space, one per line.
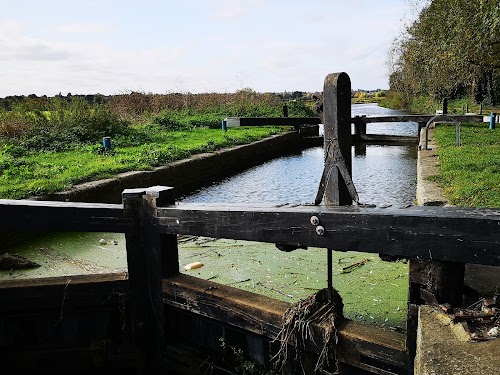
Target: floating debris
(273, 289)
(354, 266)
(15, 262)
(185, 238)
(192, 266)
(204, 240)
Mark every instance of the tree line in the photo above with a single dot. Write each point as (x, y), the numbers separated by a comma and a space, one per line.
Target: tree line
(451, 50)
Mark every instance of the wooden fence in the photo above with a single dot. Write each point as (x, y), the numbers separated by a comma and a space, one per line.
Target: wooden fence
(151, 221)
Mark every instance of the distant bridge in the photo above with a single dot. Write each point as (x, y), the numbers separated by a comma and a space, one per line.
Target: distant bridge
(359, 123)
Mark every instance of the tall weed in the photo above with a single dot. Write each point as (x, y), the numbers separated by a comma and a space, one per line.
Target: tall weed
(64, 125)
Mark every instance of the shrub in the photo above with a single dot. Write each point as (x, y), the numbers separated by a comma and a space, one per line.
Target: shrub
(64, 125)
(393, 100)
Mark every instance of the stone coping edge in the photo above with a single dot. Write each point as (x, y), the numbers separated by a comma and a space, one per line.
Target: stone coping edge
(184, 175)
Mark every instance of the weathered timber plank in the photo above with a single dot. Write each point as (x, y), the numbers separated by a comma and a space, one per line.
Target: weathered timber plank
(297, 121)
(27, 215)
(63, 280)
(262, 315)
(392, 139)
(279, 121)
(373, 349)
(35, 295)
(412, 118)
(450, 233)
(254, 312)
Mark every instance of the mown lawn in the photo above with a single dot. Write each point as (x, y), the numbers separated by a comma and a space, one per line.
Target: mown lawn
(470, 174)
(24, 174)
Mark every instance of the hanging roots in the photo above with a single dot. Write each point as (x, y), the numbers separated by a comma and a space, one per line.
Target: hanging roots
(300, 320)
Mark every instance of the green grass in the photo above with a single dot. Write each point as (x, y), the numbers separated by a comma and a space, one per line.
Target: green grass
(470, 174)
(24, 174)
(365, 100)
(51, 145)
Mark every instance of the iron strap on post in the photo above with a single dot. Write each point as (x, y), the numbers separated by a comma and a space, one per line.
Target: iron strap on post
(334, 160)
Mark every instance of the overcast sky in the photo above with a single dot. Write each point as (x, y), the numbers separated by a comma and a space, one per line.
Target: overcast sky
(112, 46)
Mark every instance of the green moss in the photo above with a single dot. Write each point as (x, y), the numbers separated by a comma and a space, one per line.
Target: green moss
(375, 293)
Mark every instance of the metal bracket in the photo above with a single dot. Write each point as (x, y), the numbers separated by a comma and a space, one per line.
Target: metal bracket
(334, 159)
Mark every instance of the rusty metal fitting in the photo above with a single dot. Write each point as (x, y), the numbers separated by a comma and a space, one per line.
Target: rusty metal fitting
(320, 231)
(314, 220)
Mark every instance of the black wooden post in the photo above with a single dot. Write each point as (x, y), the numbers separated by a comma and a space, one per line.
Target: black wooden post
(446, 281)
(151, 256)
(445, 106)
(360, 149)
(359, 128)
(337, 123)
(417, 281)
(285, 110)
(337, 128)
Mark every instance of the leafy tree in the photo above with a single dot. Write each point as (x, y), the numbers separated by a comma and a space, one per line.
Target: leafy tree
(452, 48)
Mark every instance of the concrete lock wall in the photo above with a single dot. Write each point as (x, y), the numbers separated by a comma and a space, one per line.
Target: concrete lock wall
(184, 175)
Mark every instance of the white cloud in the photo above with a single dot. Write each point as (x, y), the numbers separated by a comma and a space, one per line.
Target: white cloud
(232, 10)
(16, 47)
(84, 28)
(215, 45)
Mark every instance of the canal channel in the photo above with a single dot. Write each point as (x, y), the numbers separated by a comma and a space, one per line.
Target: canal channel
(374, 291)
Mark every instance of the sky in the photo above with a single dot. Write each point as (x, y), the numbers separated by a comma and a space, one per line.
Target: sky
(118, 46)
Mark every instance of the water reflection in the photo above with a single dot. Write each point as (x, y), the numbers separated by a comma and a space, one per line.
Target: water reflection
(392, 128)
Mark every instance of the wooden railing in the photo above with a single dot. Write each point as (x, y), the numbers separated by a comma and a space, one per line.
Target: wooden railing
(435, 234)
(360, 122)
(152, 221)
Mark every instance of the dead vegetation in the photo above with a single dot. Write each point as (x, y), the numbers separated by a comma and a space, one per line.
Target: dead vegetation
(311, 320)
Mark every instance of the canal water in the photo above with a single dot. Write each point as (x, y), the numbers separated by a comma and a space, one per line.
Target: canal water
(383, 175)
(374, 293)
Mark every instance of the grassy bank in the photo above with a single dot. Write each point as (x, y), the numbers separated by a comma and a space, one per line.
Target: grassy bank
(26, 174)
(366, 100)
(427, 105)
(469, 174)
(49, 145)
